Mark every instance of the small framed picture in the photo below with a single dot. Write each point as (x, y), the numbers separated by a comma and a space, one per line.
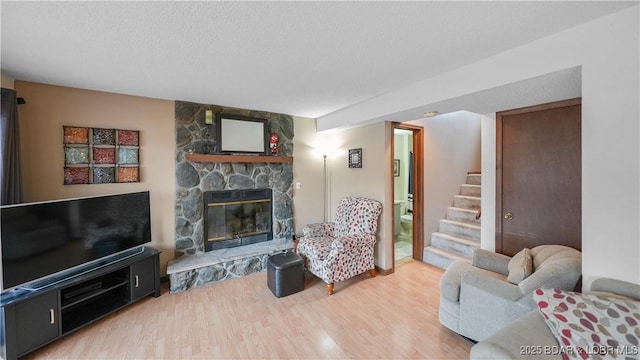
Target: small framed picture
(355, 158)
(396, 167)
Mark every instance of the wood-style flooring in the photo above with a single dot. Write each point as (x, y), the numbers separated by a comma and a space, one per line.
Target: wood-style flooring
(386, 317)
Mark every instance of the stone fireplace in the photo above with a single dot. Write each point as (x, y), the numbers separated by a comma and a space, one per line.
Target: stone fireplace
(196, 262)
(236, 217)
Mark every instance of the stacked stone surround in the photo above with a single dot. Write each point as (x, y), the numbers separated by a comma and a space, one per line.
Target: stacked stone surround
(193, 266)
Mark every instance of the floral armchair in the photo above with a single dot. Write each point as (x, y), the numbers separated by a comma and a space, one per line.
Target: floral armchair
(336, 251)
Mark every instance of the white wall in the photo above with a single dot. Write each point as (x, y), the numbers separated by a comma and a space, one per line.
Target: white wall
(488, 219)
(451, 149)
(608, 51)
(610, 137)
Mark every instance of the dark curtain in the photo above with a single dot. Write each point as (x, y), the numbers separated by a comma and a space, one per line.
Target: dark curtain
(10, 144)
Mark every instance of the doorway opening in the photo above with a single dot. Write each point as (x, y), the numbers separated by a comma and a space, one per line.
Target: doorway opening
(408, 227)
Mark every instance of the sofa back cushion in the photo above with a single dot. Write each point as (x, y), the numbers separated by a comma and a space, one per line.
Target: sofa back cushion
(617, 287)
(548, 253)
(554, 266)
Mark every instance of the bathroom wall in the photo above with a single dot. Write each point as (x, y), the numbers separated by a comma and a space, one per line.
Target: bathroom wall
(403, 144)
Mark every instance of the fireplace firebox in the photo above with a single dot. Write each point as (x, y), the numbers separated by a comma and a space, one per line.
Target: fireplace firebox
(237, 217)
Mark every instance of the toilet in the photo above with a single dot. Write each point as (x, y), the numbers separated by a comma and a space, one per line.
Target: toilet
(406, 228)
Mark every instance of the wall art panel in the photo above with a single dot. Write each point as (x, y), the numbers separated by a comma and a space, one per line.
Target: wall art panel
(100, 156)
(76, 175)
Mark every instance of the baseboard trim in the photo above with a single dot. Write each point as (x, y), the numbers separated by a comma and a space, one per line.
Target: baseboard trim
(382, 271)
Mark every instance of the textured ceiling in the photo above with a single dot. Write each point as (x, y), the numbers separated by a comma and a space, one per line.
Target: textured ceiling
(300, 58)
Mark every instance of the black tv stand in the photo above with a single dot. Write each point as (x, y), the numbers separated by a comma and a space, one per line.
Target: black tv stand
(34, 318)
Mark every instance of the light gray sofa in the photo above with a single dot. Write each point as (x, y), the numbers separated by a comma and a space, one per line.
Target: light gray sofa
(476, 300)
(530, 338)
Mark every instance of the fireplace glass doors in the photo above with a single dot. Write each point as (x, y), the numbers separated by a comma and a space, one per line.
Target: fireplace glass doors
(237, 217)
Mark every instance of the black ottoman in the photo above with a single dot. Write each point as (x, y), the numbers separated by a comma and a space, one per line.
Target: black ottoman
(285, 274)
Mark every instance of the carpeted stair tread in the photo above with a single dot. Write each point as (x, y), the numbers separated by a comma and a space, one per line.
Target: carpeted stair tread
(470, 190)
(467, 197)
(458, 234)
(474, 179)
(461, 245)
(458, 239)
(440, 257)
(460, 223)
(463, 215)
(466, 202)
(460, 229)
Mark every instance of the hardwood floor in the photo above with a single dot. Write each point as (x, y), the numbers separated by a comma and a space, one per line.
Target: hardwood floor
(386, 317)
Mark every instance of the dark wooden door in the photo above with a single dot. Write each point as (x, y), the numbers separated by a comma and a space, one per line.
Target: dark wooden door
(538, 177)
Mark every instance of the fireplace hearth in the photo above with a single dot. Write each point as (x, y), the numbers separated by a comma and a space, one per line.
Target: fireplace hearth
(237, 217)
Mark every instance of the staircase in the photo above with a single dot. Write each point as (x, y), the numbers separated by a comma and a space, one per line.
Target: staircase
(459, 232)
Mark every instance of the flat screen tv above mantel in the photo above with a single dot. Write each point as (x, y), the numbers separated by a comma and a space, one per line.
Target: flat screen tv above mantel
(242, 135)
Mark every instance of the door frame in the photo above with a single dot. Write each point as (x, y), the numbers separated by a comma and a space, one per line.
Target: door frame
(499, 149)
(418, 188)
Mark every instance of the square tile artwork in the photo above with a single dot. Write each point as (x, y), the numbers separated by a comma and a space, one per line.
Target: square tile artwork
(100, 156)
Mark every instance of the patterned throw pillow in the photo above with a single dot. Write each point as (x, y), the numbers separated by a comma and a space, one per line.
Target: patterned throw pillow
(520, 266)
(593, 325)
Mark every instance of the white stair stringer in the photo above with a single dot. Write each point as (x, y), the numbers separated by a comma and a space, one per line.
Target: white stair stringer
(458, 233)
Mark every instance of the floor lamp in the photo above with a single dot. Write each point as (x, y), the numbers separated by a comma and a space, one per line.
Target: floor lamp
(324, 200)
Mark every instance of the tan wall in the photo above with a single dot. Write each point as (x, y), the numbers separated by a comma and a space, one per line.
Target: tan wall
(308, 172)
(6, 81)
(49, 107)
(372, 180)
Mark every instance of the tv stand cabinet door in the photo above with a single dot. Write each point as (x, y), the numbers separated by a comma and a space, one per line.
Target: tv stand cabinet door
(145, 278)
(37, 322)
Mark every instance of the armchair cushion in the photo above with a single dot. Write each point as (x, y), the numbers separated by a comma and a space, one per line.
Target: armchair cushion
(520, 266)
(352, 242)
(585, 323)
(318, 229)
(316, 247)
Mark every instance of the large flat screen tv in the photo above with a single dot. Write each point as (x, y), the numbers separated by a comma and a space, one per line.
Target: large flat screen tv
(46, 240)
